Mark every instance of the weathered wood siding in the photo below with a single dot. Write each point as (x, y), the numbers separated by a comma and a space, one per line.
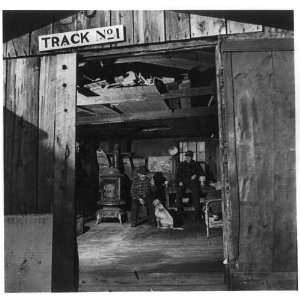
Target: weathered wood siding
(284, 209)
(260, 90)
(178, 26)
(19, 46)
(21, 136)
(39, 157)
(46, 157)
(202, 26)
(252, 93)
(141, 27)
(124, 17)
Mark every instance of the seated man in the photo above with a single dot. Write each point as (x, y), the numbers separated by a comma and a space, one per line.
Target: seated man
(188, 176)
(141, 194)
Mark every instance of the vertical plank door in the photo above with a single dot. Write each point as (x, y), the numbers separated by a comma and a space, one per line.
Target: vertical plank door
(260, 124)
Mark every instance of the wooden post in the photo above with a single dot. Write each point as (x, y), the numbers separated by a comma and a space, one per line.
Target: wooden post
(230, 172)
(65, 258)
(186, 83)
(47, 116)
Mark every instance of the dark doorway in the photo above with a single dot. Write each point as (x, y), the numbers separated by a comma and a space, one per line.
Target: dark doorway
(148, 105)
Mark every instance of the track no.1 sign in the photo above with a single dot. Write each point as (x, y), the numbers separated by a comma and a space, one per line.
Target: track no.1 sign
(93, 36)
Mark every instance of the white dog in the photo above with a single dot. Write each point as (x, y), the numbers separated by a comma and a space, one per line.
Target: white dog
(163, 218)
(98, 216)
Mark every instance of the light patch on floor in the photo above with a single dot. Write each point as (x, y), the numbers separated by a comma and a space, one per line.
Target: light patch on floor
(115, 257)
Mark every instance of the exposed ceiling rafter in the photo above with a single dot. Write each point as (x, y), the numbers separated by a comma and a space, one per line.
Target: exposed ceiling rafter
(133, 94)
(153, 115)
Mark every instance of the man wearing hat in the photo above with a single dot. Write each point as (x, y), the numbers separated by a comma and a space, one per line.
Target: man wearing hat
(141, 195)
(188, 177)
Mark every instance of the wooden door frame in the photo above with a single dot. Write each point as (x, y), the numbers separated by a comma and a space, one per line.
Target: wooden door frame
(228, 161)
(148, 50)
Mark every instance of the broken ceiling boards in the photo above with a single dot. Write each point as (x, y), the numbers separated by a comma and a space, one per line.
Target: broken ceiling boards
(140, 93)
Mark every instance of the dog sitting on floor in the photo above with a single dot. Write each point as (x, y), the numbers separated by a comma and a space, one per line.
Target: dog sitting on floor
(98, 216)
(163, 218)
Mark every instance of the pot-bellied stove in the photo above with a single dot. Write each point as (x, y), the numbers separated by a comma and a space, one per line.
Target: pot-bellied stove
(111, 202)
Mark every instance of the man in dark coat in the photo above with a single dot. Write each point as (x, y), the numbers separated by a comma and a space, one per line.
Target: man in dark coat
(188, 177)
(141, 194)
(159, 191)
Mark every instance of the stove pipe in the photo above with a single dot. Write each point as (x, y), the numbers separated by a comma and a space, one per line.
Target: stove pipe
(116, 157)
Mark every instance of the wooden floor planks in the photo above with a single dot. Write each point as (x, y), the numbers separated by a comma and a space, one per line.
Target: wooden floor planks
(114, 257)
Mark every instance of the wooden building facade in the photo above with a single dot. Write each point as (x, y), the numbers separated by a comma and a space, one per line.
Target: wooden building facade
(256, 104)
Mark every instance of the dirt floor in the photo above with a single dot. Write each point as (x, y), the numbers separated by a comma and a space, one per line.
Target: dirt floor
(115, 257)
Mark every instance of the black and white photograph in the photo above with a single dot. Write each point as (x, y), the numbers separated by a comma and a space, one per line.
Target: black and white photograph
(149, 150)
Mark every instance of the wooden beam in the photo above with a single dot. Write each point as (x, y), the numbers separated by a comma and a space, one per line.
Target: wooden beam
(198, 55)
(148, 49)
(257, 45)
(64, 259)
(185, 102)
(153, 115)
(132, 94)
(161, 60)
(85, 110)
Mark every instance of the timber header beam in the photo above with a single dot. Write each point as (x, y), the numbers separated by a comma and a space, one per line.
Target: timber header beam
(121, 95)
(153, 115)
(166, 47)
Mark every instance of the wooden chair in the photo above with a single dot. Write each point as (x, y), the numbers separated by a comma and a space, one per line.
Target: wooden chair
(210, 208)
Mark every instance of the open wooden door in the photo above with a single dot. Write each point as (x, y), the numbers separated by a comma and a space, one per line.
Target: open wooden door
(39, 173)
(257, 143)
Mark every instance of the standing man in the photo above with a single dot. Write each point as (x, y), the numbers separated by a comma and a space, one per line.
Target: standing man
(188, 176)
(141, 195)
